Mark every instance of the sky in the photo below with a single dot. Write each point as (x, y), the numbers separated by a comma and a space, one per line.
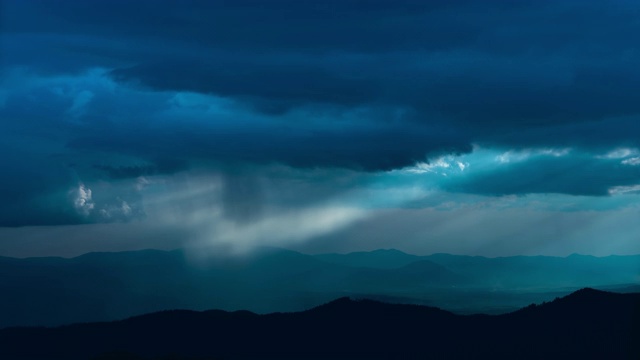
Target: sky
(489, 128)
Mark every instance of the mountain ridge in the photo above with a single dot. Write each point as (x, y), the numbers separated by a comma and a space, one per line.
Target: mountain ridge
(350, 329)
(107, 286)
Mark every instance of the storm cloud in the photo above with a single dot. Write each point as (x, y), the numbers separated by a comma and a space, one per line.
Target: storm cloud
(238, 117)
(507, 73)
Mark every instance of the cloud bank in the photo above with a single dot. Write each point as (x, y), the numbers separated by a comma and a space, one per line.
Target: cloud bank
(297, 110)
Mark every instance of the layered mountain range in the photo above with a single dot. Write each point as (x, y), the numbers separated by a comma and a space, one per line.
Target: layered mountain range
(110, 286)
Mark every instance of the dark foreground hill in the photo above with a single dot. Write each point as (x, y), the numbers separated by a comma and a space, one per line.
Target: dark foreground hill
(587, 324)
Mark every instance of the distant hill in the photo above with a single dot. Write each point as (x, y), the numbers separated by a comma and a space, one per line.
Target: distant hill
(378, 259)
(521, 272)
(108, 286)
(587, 324)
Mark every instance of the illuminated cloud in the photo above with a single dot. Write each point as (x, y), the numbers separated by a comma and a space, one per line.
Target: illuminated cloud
(617, 190)
(632, 161)
(619, 153)
(82, 200)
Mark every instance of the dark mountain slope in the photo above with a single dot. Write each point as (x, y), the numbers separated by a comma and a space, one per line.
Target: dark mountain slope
(588, 324)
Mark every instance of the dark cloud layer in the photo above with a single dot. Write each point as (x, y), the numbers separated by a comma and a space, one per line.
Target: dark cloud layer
(493, 67)
(164, 166)
(376, 149)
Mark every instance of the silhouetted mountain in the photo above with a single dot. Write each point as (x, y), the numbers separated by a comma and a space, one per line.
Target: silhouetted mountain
(587, 324)
(108, 286)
